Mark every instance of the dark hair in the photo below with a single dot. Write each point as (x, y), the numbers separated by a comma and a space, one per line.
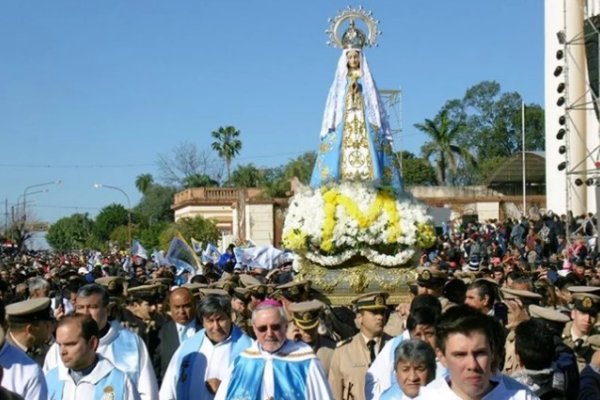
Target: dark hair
(89, 327)
(426, 301)
(421, 316)
(484, 288)
(455, 291)
(214, 304)
(92, 289)
(465, 320)
(533, 342)
(199, 279)
(417, 351)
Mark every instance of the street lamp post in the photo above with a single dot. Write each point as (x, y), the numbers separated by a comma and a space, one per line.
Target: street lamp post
(101, 185)
(28, 188)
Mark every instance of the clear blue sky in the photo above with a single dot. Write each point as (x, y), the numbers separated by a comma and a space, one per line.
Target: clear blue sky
(93, 91)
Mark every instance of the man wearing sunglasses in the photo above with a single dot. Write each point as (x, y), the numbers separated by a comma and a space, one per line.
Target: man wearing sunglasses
(274, 367)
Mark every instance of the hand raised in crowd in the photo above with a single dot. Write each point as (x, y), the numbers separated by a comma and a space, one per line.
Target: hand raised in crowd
(516, 313)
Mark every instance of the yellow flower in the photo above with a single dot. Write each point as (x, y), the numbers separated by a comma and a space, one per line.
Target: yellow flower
(425, 235)
(295, 239)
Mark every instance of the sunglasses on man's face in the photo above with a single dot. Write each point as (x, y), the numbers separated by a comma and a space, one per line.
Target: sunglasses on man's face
(264, 328)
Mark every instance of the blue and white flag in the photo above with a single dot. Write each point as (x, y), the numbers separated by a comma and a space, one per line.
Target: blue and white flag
(196, 245)
(160, 259)
(183, 257)
(211, 254)
(138, 250)
(266, 257)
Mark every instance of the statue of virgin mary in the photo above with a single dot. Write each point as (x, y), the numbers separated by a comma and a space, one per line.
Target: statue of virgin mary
(355, 134)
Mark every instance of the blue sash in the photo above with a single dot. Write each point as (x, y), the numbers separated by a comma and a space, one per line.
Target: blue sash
(190, 354)
(392, 393)
(126, 354)
(289, 377)
(112, 383)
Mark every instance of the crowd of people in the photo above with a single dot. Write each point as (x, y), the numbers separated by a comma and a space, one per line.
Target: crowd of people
(497, 310)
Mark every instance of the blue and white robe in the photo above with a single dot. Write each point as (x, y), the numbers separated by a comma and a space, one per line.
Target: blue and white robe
(126, 351)
(291, 373)
(198, 360)
(104, 382)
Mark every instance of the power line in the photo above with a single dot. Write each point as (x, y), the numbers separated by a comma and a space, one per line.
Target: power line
(82, 166)
(65, 207)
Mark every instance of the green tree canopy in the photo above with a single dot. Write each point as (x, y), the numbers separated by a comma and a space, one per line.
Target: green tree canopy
(416, 170)
(247, 176)
(143, 182)
(108, 219)
(155, 205)
(199, 180)
(199, 228)
(72, 233)
(227, 145)
(443, 134)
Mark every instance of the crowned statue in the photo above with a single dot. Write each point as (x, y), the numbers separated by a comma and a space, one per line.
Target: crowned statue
(355, 135)
(354, 226)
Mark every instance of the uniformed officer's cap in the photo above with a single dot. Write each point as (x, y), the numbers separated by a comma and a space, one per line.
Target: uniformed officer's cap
(37, 309)
(225, 285)
(490, 280)
(584, 289)
(161, 281)
(306, 313)
(586, 302)
(370, 301)
(195, 286)
(259, 291)
(548, 313)
(209, 291)
(111, 283)
(431, 278)
(523, 295)
(241, 294)
(248, 280)
(293, 291)
(145, 292)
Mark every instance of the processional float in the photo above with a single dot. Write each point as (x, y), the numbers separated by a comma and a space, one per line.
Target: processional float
(355, 229)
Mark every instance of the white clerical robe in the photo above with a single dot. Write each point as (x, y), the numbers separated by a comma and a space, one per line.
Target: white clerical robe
(120, 346)
(316, 385)
(215, 365)
(86, 389)
(21, 374)
(506, 389)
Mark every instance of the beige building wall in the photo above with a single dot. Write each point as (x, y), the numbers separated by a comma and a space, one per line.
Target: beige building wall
(260, 224)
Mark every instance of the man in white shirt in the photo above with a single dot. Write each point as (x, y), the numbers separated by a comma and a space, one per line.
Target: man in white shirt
(274, 367)
(469, 343)
(84, 374)
(120, 346)
(202, 361)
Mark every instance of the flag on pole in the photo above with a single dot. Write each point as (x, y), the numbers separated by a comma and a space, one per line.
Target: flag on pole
(211, 254)
(160, 259)
(183, 257)
(138, 250)
(196, 245)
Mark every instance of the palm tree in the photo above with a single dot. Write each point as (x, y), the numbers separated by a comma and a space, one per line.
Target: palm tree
(143, 182)
(443, 133)
(227, 145)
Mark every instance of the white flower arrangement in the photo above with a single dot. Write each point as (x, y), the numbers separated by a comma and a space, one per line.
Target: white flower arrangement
(332, 224)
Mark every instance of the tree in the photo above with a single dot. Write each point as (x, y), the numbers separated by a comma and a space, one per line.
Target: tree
(186, 160)
(416, 170)
(143, 182)
(108, 219)
(301, 167)
(199, 228)
(247, 176)
(199, 180)
(71, 233)
(227, 145)
(443, 133)
(155, 205)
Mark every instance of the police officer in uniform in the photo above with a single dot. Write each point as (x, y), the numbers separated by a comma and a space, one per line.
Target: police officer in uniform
(577, 332)
(305, 327)
(30, 327)
(517, 302)
(239, 309)
(351, 359)
(431, 281)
